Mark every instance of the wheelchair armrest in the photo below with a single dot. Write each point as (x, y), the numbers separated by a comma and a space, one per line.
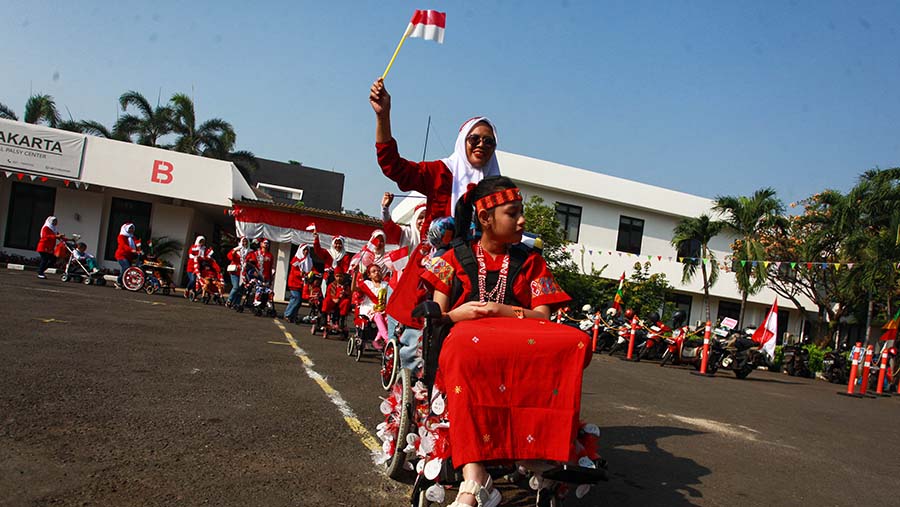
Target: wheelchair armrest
(427, 310)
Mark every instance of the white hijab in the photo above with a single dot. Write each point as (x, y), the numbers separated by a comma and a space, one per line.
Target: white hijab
(203, 248)
(336, 255)
(411, 236)
(127, 230)
(306, 262)
(458, 163)
(49, 223)
(243, 246)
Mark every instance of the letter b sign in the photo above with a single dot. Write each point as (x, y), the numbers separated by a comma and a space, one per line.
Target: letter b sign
(162, 172)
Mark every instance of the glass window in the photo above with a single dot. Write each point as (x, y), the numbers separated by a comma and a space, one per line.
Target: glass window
(126, 210)
(682, 302)
(570, 219)
(631, 233)
(729, 309)
(29, 206)
(690, 249)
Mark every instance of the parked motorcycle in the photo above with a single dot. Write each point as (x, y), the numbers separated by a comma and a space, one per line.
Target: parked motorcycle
(655, 344)
(607, 334)
(740, 354)
(624, 335)
(796, 361)
(835, 366)
(675, 344)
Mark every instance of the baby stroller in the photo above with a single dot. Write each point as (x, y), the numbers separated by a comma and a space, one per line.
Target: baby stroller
(249, 282)
(314, 299)
(264, 300)
(75, 270)
(416, 430)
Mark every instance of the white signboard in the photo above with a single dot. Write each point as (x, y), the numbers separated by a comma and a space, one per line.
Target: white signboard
(39, 150)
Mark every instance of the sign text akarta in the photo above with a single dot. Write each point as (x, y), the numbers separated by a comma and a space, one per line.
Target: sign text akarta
(39, 150)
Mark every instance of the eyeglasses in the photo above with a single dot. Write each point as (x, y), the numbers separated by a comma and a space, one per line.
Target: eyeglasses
(475, 139)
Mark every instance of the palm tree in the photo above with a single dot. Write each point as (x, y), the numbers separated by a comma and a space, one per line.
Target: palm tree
(699, 232)
(747, 217)
(151, 123)
(7, 114)
(213, 137)
(42, 108)
(97, 129)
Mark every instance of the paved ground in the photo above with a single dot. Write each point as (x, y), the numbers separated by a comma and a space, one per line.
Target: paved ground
(126, 399)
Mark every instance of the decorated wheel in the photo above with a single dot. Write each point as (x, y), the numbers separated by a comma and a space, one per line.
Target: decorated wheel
(133, 279)
(401, 419)
(390, 359)
(351, 347)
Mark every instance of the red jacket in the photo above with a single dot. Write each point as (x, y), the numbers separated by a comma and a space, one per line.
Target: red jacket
(47, 243)
(432, 179)
(234, 259)
(124, 250)
(195, 254)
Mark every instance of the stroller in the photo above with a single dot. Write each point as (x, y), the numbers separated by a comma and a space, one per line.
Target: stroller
(264, 300)
(75, 270)
(364, 334)
(415, 434)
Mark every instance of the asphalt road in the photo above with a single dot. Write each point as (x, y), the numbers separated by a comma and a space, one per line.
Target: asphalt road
(117, 398)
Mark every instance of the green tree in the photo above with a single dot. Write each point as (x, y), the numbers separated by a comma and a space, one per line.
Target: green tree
(6, 113)
(748, 217)
(97, 129)
(694, 234)
(39, 109)
(148, 125)
(215, 136)
(646, 293)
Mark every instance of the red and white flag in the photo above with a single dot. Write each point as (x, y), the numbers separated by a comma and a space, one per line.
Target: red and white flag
(765, 335)
(311, 227)
(428, 25)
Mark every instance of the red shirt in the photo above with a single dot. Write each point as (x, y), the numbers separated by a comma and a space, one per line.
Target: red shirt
(533, 287)
(124, 250)
(196, 253)
(47, 242)
(265, 262)
(432, 179)
(234, 258)
(295, 276)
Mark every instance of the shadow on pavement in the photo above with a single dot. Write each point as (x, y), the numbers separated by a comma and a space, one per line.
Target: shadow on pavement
(643, 473)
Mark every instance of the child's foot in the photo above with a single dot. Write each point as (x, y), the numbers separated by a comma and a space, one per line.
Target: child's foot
(378, 343)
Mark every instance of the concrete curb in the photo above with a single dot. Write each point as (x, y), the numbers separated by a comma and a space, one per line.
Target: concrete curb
(49, 271)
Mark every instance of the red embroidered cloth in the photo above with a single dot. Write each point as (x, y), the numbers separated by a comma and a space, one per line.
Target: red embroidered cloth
(513, 389)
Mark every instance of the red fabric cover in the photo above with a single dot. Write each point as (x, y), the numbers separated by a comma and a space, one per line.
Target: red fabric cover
(321, 253)
(408, 292)
(295, 219)
(60, 251)
(535, 285)
(47, 242)
(513, 389)
(212, 270)
(432, 179)
(123, 249)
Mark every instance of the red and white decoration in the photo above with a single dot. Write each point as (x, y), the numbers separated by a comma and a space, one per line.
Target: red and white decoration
(285, 227)
(428, 25)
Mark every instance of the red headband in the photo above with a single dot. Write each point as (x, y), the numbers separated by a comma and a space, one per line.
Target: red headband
(498, 199)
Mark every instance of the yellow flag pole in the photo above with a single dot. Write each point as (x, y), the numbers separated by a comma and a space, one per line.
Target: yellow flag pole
(390, 63)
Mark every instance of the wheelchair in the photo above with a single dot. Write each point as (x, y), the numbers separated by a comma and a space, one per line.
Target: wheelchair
(364, 334)
(414, 430)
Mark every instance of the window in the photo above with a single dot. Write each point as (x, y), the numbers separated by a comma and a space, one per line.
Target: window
(783, 316)
(570, 219)
(29, 206)
(126, 210)
(729, 309)
(682, 302)
(281, 194)
(690, 248)
(631, 232)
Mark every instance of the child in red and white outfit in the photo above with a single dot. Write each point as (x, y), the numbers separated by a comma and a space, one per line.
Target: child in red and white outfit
(209, 277)
(337, 299)
(197, 252)
(264, 261)
(374, 299)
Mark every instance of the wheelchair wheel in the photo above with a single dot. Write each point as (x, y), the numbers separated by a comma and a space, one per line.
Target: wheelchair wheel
(360, 345)
(149, 288)
(351, 347)
(390, 359)
(395, 465)
(133, 279)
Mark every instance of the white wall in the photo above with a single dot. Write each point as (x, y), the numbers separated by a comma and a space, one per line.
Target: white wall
(173, 222)
(79, 212)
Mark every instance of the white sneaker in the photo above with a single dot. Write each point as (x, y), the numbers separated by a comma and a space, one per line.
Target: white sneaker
(42, 277)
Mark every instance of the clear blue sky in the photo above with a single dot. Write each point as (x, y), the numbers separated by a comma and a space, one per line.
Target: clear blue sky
(705, 97)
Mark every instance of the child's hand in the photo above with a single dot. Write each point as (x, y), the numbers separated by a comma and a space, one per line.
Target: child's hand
(469, 311)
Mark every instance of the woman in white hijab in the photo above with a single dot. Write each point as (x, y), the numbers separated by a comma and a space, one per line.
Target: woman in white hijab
(46, 246)
(336, 257)
(236, 258)
(441, 181)
(301, 264)
(126, 251)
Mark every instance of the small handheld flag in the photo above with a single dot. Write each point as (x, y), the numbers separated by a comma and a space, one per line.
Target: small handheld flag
(311, 227)
(619, 300)
(428, 25)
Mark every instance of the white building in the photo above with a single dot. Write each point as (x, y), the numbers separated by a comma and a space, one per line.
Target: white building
(619, 222)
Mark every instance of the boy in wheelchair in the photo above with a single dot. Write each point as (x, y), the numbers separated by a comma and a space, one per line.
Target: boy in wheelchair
(507, 377)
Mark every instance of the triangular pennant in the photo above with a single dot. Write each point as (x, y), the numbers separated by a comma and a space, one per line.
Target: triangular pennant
(649, 257)
(659, 257)
(824, 265)
(743, 263)
(620, 254)
(793, 265)
(44, 179)
(681, 260)
(837, 265)
(849, 265)
(809, 265)
(85, 185)
(7, 173)
(705, 260)
(77, 185)
(670, 259)
(610, 253)
(753, 263)
(591, 252)
(777, 264)
(32, 176)
(20, 176)
(766, 264)
(66, 182)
